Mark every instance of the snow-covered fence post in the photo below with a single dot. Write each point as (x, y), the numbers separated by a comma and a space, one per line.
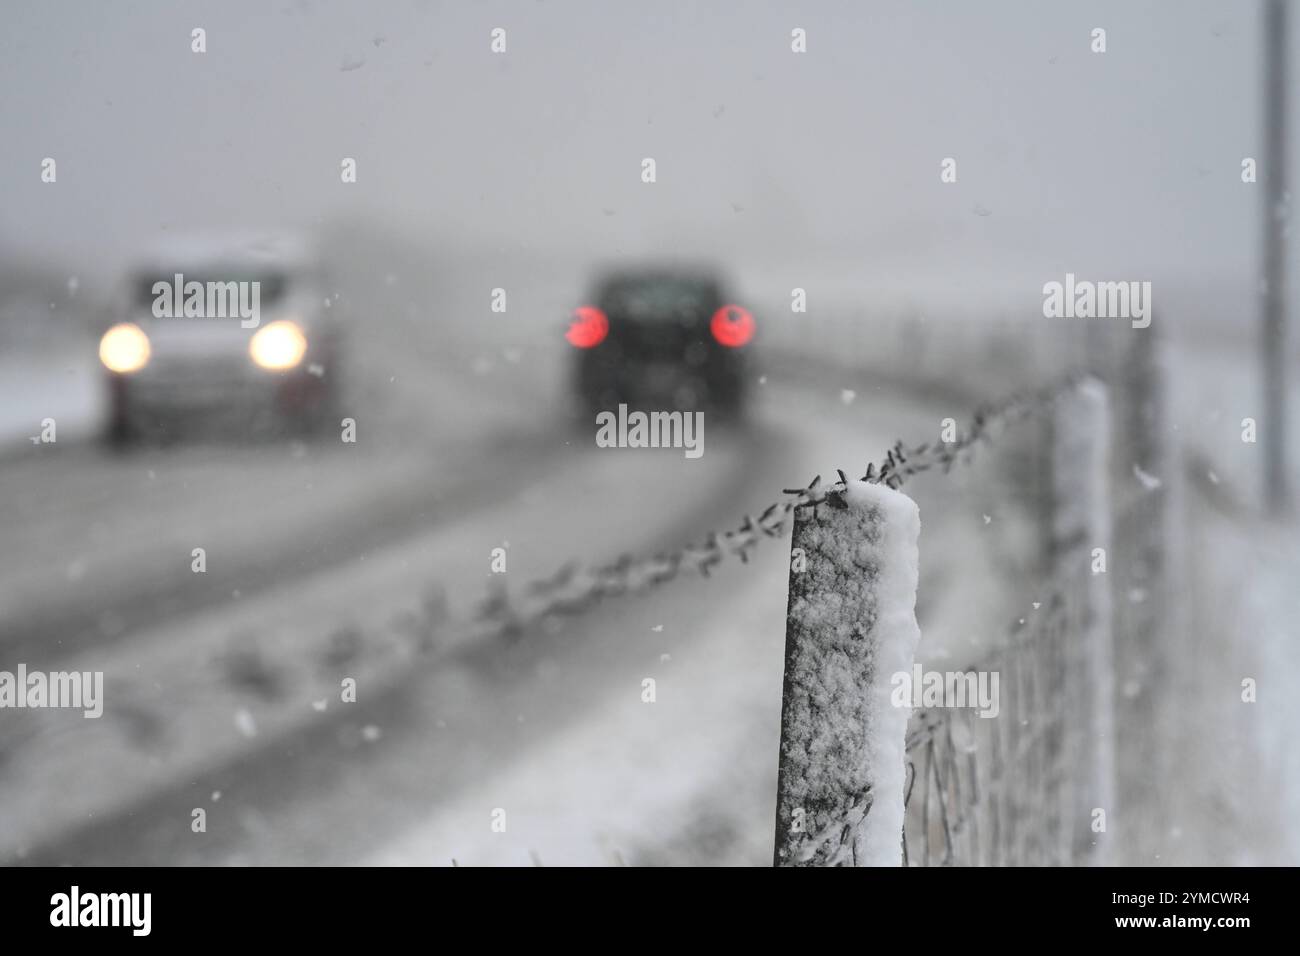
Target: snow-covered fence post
(1081, 541)
(1146, 554)
(850, 627)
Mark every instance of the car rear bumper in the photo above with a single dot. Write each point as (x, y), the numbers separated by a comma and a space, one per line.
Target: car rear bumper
(661, 382)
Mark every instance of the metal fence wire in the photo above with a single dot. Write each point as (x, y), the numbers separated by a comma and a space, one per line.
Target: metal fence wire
(997, 791)
(574, 589)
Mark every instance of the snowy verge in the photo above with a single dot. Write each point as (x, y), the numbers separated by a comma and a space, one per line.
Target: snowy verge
(64, 387)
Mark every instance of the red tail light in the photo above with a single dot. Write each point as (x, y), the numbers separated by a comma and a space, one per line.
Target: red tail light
(732, 326)
(588, 327)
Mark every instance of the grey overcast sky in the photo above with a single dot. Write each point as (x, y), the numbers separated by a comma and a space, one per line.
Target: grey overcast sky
(1127, 161)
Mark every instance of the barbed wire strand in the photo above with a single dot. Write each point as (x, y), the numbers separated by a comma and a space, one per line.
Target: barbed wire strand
(574, 588)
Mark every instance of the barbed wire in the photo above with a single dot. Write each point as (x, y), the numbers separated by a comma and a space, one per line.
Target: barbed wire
(837, 841)
(574, 588)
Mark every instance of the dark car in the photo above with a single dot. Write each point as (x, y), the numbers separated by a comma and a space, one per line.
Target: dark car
(661, 339)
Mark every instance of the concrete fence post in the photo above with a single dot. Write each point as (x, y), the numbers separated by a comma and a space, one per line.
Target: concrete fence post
(850, 626)
(1146, 482)
(1081, 546)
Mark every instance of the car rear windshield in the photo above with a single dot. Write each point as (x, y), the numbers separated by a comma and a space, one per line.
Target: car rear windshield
(659, 296)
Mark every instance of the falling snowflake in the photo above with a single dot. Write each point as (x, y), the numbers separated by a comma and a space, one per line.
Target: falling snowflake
(1149, 482)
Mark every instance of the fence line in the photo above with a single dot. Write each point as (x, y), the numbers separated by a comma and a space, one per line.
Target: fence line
(1033, 785)
(973, 784)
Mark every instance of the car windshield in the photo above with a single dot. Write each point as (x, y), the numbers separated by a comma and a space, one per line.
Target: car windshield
(271, 285)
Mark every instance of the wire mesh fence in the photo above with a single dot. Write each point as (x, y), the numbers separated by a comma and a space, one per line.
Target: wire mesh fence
(1021, 785)
(1044, 781)
(1000, 791)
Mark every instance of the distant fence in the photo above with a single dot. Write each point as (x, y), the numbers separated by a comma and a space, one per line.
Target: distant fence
(1035, 784)
(945, 357)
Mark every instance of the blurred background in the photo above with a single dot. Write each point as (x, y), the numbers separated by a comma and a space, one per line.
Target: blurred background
(522, 171)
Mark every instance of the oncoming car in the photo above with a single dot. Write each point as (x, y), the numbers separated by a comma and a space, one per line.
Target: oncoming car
(666, 339)
(236, 330)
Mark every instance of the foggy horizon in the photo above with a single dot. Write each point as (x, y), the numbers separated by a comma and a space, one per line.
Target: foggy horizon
(762, 157)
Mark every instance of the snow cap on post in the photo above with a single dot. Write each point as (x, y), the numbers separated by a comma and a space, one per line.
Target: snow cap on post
(851, 625)
(1081, 510)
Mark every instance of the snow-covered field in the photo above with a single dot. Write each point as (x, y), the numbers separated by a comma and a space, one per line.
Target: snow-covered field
(1234, 786)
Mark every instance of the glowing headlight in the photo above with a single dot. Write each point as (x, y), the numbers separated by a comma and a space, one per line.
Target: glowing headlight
(280, 345)
(124, 348)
